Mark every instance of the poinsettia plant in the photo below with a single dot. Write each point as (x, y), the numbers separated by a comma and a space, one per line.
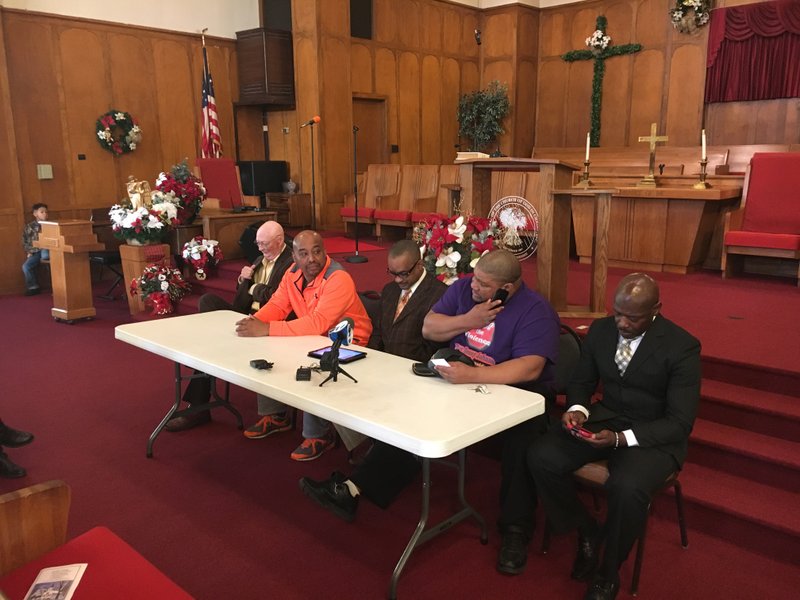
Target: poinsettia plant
(144, 224)
(451, 247)
(202, 254)
(160, 286)
(183, 188)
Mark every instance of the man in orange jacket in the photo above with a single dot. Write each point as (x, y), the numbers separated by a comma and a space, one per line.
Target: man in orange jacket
(320, 293)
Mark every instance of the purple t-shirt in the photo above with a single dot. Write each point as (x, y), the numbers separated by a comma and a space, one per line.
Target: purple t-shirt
(527, 325)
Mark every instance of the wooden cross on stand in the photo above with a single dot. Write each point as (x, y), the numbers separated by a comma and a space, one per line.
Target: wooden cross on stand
(599, 55)
(650, 180)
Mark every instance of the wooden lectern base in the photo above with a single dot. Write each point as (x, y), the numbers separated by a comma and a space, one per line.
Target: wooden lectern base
(134, 261)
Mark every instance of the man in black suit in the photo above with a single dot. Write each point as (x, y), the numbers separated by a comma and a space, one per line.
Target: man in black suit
(650, 373)
(387, 470)
(256, 284)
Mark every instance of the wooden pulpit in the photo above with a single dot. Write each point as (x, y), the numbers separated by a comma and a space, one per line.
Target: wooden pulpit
(134, 261)
(69, 243)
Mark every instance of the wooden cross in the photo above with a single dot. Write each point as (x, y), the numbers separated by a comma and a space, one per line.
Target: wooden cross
(650, 180)
(599, 57)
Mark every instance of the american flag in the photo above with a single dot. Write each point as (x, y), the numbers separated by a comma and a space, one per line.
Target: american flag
(211, 146)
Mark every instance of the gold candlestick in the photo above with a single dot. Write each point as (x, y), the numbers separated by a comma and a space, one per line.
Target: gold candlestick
(584, 181)
(702, 184)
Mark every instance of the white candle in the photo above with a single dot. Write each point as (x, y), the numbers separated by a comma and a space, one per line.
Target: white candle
(703, 143)
(588, 141)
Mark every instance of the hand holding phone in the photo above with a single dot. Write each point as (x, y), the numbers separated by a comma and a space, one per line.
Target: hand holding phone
(501, 295)
(579, 431)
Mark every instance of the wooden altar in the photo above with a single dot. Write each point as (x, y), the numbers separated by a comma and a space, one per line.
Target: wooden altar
(227, 227)
(69, 243)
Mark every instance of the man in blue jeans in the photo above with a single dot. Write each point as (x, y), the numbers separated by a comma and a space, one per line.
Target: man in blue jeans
(33, 255)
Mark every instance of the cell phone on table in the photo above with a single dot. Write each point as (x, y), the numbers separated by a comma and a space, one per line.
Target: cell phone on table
(579, 431)
(501, 295)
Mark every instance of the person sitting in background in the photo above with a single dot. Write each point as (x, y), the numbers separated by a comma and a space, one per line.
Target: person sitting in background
(12, 438)
(256, 284)
(649, 369)
(320, 293)
(33, 255)
(387, 470)
(512, 342)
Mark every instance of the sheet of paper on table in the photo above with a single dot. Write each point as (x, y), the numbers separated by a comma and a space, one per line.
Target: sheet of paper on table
(56, 583)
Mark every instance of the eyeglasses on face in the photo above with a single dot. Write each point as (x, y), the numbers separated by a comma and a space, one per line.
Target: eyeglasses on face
(402, 274)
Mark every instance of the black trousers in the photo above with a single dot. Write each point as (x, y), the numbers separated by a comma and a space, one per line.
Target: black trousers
(634, 475)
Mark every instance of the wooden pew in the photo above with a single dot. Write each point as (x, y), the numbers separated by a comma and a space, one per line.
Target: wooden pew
(419, 186)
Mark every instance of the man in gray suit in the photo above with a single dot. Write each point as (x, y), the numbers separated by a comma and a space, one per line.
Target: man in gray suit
(256, 284)
(387, 470)
(650, 372)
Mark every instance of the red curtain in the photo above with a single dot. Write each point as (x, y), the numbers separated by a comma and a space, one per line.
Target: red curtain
(754, 52)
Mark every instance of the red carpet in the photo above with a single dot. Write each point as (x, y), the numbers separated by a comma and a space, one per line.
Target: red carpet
(339, 245)
(223, 516)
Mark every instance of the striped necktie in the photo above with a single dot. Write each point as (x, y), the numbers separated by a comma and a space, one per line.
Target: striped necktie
(623, 355)
(401, 303)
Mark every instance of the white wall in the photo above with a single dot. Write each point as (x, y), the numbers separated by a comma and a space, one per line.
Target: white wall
(222, 17)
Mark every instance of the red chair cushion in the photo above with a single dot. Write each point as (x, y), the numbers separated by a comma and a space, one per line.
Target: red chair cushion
(773, 196)
(393, 215)
(219, 179)
(423, 216)
(363, 212)
(757, 239)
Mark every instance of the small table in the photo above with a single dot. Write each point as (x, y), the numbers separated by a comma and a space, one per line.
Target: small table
(425, 416)
(113, 565)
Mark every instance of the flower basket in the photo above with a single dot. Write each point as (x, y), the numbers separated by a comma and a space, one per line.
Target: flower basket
(202, 255)
(183, 189)
(160, 287)
(450, 248)
(143, 225)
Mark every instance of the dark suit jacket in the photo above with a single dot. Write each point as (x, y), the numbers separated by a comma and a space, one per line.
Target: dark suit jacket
(658, 395)
(404, 336)
(262, 291)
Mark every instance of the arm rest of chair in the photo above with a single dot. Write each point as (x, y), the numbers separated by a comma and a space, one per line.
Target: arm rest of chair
(251, 201)
(733, 220)
(211, 203)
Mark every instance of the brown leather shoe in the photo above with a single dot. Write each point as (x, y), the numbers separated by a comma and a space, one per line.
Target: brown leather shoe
(185, 422)
(8, 469)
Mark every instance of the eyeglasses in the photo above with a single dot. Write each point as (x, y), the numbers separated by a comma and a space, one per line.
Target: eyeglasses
(403, 274)
(262, 245)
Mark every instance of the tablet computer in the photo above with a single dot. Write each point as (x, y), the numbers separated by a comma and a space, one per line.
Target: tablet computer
(346, 355)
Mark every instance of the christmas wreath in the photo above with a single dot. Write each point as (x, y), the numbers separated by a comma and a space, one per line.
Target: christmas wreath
(118, 132)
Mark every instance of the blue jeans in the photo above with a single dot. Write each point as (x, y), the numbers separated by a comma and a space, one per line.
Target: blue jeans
(30, 265)
(313, 426)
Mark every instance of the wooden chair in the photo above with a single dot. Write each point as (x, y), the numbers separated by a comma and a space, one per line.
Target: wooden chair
(768, 222)
(348, 211)
(441, 206)
(594, 475)
(33, 521)
(223, 184)
(419, 184)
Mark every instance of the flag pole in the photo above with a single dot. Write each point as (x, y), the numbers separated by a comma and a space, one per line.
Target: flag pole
(203, 35)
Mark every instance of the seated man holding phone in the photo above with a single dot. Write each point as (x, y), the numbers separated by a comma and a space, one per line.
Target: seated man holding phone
(511, 333)
(321, 294)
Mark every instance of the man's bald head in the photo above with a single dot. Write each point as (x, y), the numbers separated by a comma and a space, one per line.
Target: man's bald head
(269, 239)
(500, 265)
(308, 251)
(636, 303)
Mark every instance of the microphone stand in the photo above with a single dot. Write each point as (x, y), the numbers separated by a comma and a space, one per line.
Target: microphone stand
(330, 362)
(313, 183)
(356, 258)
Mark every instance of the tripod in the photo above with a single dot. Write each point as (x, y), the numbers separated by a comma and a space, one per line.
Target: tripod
(330, 362)
(356, 258)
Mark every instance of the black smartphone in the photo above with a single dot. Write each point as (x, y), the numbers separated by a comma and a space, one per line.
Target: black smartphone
(501, 295)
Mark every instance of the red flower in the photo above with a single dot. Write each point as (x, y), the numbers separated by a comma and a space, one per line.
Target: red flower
(108, 121)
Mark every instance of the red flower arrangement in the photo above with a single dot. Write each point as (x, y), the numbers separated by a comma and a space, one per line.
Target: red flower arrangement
(451, 247)
(182, 188)
(160, 287)
(202, 254)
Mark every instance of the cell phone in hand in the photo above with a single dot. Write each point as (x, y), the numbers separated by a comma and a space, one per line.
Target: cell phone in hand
(501, 295)
(579, 431)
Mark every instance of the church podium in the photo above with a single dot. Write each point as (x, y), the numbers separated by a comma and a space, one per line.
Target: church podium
(134, 261)
(69, 243)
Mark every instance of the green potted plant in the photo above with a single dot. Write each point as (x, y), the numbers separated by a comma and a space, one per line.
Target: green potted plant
(481, 113)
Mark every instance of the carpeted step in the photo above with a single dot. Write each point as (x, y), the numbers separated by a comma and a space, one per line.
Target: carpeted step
(758, 411)
(777, 381)
(758, 517)
(757, 457)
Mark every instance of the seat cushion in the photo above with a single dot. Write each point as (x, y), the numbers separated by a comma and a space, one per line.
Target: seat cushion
(393, 215)
(424, 216)
(756, 239)
(773, 196)
(363, 212)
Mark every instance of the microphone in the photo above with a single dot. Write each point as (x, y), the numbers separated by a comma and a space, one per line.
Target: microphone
(478, 37)
(312, 121)
(343, 332)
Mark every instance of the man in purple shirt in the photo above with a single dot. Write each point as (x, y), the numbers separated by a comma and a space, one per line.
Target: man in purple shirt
(512, 342)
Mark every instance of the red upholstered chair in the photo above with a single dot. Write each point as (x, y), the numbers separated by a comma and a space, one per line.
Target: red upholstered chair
(382, 188)
(768, 222)
(439, 207)
(419, 185)
(348, 211)
(221, 179)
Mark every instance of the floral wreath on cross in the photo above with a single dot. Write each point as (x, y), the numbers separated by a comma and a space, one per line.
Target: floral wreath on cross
(689, 15)
(118, 132)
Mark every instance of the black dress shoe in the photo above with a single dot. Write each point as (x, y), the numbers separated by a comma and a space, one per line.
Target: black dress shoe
(188, 421)
(33, 291)
(602, 589)
(586, 560)
(13, 438)
(8, 469)
(333, 495)
(513, 551)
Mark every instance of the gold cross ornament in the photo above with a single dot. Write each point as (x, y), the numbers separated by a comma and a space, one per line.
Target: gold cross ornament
(650, 180)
